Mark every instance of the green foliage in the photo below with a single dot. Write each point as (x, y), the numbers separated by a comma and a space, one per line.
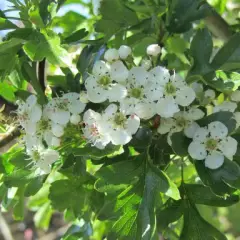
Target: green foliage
(150, 186)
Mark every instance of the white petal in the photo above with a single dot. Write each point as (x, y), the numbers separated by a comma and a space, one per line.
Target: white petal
(145, 110)
(166, 125)
(75, 119)
(44, 166)
(56, 142)
(153, 50)
(30, 127)
(228, 146)
(119, 72)
(124, 51)
(201, 135)
(83, 97)
(139, 76)
(185, 96)
(116, 93)
(57, 130)
(91, 117)
(191, 130)
(197, 87)
(210, 94)
(76, 107)
(111, 55)
(215, 160)
(97, 95)
(47, 136)
(178, 81)
(50, 156)
(197, 150)
(133, 124)
(217, 130)
(225, 106)
(161, 75)
(194, 114)
(153, 92)
(127, 106)
(235, 96)
(237, 118)
(111, 110)
(91, 83)
(100, 68)
(61, 117)
(35, 113)
(167, 107)
(31, 101)
(120, 137)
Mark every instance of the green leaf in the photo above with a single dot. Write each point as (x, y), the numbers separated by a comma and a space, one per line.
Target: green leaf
(142, 139)
(6, 24)
(115, 16)
(195, 227)
(184, 12)
(18, 210)
(180, 143)
(227, 118)
(200, 194)
(228, 57)
(46, 45)
(201, 50)
(75, 37)
(34, 186)
(7, 91)
(215, 179)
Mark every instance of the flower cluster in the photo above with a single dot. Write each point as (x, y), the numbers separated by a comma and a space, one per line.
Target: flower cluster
(127, 94)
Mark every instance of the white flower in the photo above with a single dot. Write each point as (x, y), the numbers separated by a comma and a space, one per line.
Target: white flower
(96, 6)
(235, 96)
(59, 109)
(210, 94)
(43, 158)
(181, 121)
(142, 93)
(100, 86)
(57, 130)
(197, 87)
(93, 130)
(153, 50)
(75, 119)
(29, 113)
(124, 51)
(119, 127)
(225, 106)
(212, 144)
(146, 64)
(175, 92)
(111, 55)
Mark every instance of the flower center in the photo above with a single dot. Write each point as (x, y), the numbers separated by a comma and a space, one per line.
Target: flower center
(170, 89)
(181, 122)
(44, 124)
(36, 156)
(120, 119)
(211, 144)
(136, 93)
(63, 105)
(104, 81)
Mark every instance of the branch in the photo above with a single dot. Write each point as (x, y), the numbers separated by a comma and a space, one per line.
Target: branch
(6, 232)
(42, 74)
(9, 136)
(218, 26)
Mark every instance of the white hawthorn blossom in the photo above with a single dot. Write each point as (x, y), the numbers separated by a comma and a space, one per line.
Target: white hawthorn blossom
(43, 158)
(29, 113)
(225, 106)
(235, 96)
(210, 94)
(175, 92)
(111, 55)
(212, 144)
(181, 121)
(100, 85)
(118, 126)
(60, 109)
(153, 50)
(141, 94)
(93, 130)
(124, 51)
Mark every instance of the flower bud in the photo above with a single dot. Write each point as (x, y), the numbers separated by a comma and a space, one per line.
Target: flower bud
(153, 50)
(75, 119)
(124, 51)
(111, 55)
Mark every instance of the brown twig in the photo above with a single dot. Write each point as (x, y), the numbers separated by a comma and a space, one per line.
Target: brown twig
(42, 74)
(9, 136)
